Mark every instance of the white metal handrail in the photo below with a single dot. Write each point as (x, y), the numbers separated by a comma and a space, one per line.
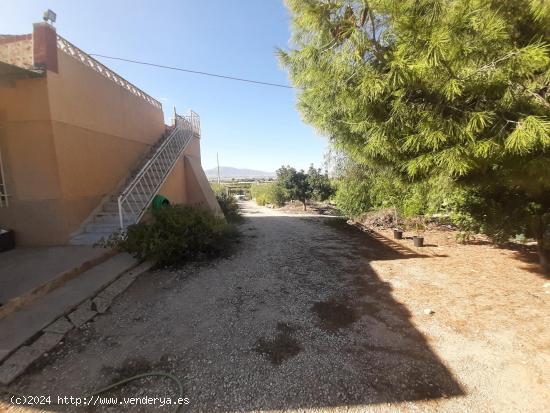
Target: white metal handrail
(138, 194)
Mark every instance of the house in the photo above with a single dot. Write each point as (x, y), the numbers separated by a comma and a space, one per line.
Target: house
(83, 152)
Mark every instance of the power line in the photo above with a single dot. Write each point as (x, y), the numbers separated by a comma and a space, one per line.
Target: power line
(192, 71)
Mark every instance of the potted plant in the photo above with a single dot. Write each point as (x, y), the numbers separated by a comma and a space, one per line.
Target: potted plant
(397, 231)
(420, 227)
(7, 239)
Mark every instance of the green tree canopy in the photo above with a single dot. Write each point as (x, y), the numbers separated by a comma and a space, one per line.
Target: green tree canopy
(319, 183)
(295, 184)
(304, 186)
(458, 88)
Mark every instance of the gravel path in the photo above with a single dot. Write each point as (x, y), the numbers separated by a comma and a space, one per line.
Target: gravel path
(295, 320)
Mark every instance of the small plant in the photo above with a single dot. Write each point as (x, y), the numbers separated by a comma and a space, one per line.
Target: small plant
(176, 234)
(421, 226)
(463, 237)
(397, 230)
(396, 225)
(418, 223)
(230, 208)
(218, 189)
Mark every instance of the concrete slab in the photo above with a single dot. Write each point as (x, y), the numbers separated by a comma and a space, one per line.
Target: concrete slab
(17, 364)
(18, 327)
(101, 304)
(104, 299)
(46, 342)
(82, 314)
(24, 270)
(59, 326)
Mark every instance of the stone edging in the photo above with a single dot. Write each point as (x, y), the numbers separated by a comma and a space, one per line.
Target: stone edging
(51, 335)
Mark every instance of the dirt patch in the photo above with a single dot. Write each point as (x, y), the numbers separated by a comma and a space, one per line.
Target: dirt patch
(335, 314)
(319, 208)
(280, 348)
(371, 324)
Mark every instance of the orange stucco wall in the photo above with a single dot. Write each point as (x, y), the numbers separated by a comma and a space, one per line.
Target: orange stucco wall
(178, 188)
(187, 184)
(84, 98)
(67, 140)
(71, 137)
(30, 165)
(175, 188)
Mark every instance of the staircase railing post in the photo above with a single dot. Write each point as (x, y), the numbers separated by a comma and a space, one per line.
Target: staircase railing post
(120, 215)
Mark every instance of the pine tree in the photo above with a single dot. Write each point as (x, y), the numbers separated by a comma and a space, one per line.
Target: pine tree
(459, 88)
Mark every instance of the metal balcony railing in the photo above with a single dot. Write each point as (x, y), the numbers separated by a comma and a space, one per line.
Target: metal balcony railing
(134, 200)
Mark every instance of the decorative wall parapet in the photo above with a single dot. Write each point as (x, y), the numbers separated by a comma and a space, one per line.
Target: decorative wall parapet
(17, 50)
(67, 47)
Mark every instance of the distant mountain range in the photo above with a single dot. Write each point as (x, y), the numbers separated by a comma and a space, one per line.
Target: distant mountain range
(228, 172)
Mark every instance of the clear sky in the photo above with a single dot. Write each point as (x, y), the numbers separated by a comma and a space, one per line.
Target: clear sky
(251, 126)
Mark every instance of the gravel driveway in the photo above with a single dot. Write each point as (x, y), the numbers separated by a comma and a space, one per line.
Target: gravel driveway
(296, 320)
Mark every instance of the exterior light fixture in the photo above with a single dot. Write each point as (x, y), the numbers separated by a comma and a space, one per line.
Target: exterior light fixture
(49, 16)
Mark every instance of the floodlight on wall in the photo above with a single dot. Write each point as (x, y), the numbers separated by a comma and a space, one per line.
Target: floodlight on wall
(49, 16)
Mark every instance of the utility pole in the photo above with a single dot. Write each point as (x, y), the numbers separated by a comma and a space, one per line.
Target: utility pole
(218, 161)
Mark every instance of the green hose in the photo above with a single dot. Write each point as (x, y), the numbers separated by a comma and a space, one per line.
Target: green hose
(118, 384)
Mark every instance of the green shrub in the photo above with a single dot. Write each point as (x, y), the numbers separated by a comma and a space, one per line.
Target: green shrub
(176, 234)
(352, 197)
(218, 189)
(269, 193)
(230, 207)
(362, 189)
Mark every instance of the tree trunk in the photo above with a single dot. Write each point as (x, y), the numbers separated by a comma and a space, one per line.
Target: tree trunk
(544, 256)
(538, 227)
(305, 205)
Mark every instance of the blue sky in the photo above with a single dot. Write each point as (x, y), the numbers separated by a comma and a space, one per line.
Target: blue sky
(251, 126)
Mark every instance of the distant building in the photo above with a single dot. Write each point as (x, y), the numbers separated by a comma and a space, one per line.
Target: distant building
(82, 150)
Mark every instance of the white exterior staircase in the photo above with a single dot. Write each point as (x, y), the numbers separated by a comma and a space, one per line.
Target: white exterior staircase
(127, 205)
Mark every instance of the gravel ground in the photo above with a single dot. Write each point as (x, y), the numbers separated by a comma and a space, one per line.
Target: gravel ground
(303, 317)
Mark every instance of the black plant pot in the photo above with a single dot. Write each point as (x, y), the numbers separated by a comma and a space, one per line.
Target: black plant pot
(7, 240)
(418, 241)
(397, 234)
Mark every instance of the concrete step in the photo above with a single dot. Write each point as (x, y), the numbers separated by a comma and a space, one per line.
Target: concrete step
(105, 222)
(21, 325)
(102, 228)
(114, 198)
(106, 215)
(155, 178)
(157, 171)
(110, 207)
(27, 274)
(88, 238)
(113, 207)
(108, 218)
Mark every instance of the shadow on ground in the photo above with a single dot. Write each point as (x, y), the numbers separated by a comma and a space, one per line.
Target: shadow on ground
(297, 319)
